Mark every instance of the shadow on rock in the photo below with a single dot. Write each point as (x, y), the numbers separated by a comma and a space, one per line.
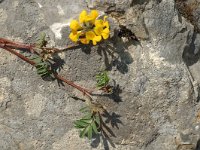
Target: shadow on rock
(114, 51)
(58, 64)
(198, 145)
(115, 95)
(114, 121)
(116, 48)
(191, 53)
(97, 140)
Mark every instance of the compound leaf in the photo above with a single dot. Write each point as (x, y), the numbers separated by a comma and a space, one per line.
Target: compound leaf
(102, 79)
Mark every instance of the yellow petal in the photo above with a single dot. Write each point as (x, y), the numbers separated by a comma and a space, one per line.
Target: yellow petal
(105, 33)
(82, 16)
(90, 35)
(99, 22)
(97, 38)
(88, 19)
(106, 30)
(106, 24)
(94, 42)
(73, 37)
(98, 30)
(74, 25)
(84, 41)
(105, 36)
(94, 14)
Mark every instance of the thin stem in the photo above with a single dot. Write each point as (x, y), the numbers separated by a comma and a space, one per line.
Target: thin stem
(73, 84)
(18, 55)
(70, 47)
(31, 47)
(87, 92)
(9, 43)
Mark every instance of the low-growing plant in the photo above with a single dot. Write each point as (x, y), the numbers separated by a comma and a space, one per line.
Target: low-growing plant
(89, 124)
(88, 28)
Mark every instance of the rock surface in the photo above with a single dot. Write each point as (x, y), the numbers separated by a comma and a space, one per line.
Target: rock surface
(157, 104)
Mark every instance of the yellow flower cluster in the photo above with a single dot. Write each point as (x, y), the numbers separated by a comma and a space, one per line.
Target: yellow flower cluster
(89, 28)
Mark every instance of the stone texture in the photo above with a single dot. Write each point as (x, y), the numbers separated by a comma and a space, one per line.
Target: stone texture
(156, 105)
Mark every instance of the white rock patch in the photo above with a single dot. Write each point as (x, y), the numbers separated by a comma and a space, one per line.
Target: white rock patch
(57, 27)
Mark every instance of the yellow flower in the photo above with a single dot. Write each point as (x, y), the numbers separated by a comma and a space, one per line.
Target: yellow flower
(88, 28)
(75, 26)
(103, 22)
(102, 28)
(84, 17)
(84, 41)
(91, 36)
(74, 36)
(100, 31)
(75, 33)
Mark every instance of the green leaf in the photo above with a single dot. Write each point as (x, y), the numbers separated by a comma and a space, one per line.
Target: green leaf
(94, 127)
(87, 117)
(88, 121)
(80, 124)
(41, 66)
(43, 74)
(102, 79)
(90, 132)
(37, 60)
(34, 57)
(83, 132)
(41, 70)
(88, 124)
(97, 120)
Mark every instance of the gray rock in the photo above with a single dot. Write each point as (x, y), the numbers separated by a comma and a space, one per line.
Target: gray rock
(111, 5)
(167, 29)
(197, 44)
(155, 99)
(135, 22)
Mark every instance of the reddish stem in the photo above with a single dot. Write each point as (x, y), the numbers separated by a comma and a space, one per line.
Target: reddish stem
(30, 47)
(87, 92)
(18, 55)
(74, 85)
(8, 43)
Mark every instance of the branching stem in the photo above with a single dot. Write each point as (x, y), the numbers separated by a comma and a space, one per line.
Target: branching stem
(31, 47)
(85, 91)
